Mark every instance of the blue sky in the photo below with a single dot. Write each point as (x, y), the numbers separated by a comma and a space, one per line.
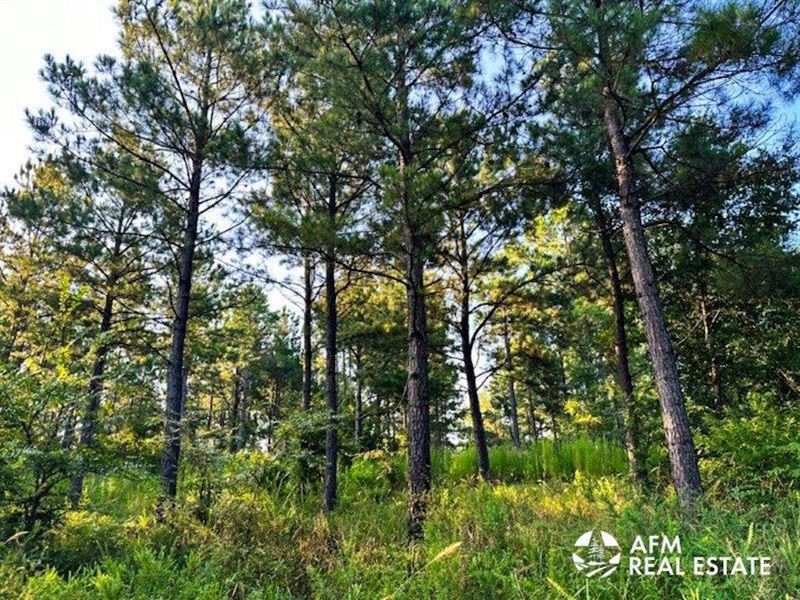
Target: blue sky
(82, 28)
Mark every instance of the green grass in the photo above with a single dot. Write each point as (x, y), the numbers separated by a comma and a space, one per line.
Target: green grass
(544, 459)
(509, 539)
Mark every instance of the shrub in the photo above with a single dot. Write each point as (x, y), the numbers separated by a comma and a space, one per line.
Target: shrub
(733, 461)
(83, 539)
(373, 475)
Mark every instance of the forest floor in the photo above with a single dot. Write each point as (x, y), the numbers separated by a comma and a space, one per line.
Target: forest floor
(513, 538)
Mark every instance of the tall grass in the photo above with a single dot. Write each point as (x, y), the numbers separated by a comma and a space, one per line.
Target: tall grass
(512, 539)
(543, 460)
(499, 541)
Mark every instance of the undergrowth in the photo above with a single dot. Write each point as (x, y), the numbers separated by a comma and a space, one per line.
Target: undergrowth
(511, 538)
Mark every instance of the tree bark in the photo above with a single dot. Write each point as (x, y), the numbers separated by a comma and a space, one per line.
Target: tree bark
(359, 391)
(96, 384)
(624, 378)
(417, 388)
(307, 351)
(680, 446)
(237, 399)
(512, 394)
(419, 435)
(478, 431)
(242, 417)
(331, 389)
(175, 368)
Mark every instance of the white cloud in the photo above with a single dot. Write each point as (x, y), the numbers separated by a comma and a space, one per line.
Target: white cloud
(29, 29)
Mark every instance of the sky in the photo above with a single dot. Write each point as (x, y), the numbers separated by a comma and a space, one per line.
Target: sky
(29, 29)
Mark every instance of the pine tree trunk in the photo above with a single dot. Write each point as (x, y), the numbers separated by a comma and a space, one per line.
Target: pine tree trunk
(680, 446)
(96, 384)
(478, 430)
(512, 394)
(331, 389)
(307, 351)
(175, 368)
(359, 390)
(532, 421)
(624, 379)
(419, 436)
(243, 415)
(237, 397)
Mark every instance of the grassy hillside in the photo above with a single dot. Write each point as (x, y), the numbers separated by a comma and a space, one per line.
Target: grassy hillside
(261, 535)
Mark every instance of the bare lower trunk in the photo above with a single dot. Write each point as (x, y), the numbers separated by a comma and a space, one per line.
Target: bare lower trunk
(419, 436)
(175, 368)
(96, 383)
(532, 427)
(237, 399)
(358, 407)
(624, 379)
(680, 447)
(243, 414)
(331, 388)
(307, 352)
(478, 430)
(512, 394)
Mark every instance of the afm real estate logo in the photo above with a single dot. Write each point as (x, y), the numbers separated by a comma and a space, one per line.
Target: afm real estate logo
(599, 554)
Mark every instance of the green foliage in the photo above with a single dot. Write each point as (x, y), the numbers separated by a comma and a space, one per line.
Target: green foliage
(34, 465)
(542, 460)
(423, 157)
(732, 31)
(754, 451)
(82, 540)
(504, 540)
(373, 475)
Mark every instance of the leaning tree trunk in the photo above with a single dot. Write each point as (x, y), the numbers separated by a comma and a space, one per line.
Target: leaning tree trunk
(175, 375)
(624, 378)
(96, 384)
(307, 352)
(419, 435)
(512, 394)
(478, 431)
(680, 446)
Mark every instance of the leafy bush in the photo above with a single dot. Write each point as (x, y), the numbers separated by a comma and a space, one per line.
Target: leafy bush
(733, 461)
(83, 539)
(373, 475)
(34, 468)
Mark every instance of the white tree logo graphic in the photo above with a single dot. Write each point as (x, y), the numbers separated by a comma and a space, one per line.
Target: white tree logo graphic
(597, 553)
